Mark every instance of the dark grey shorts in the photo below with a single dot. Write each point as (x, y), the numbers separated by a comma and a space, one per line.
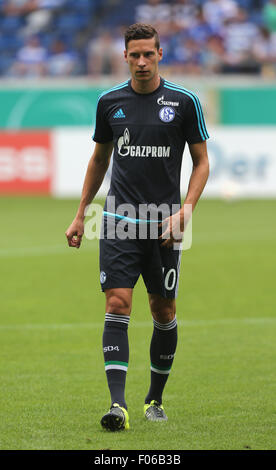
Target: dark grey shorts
(122, 262)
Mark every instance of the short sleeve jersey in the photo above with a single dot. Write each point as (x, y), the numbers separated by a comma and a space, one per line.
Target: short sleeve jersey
(149, 132)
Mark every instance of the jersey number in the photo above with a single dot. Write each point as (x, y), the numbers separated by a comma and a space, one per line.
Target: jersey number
(170, 279)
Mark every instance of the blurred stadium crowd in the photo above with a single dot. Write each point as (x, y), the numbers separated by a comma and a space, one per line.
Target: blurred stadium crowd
(61, 38)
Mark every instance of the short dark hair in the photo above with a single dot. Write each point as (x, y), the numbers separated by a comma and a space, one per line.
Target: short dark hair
(141, 31)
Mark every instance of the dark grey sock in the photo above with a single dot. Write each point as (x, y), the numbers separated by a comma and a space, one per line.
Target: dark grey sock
(162, 351)
(116, 355)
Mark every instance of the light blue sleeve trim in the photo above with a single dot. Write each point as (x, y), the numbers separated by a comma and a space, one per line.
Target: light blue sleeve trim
(201, 123)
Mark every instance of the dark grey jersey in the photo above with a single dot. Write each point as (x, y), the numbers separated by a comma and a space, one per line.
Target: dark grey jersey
(149, 132)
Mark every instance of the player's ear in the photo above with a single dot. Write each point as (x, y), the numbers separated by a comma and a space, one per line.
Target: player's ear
(160, 54)
(125, 55)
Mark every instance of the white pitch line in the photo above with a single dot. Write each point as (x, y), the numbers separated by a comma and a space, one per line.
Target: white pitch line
(184, 323)
(93, 245)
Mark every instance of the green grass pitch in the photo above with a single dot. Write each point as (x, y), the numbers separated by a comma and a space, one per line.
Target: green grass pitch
(221, 391)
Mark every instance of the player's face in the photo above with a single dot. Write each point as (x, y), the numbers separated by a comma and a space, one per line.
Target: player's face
(143, 58)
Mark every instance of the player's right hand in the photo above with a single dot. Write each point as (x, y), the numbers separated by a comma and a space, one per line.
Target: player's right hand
(74, 233)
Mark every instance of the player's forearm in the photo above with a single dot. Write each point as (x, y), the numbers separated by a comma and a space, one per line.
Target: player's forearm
(197, 183)
(95, 173)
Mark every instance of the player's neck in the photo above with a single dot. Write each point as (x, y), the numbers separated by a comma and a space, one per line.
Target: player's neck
(147, 86)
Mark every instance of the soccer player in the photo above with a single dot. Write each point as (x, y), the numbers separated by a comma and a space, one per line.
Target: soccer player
(146, 122)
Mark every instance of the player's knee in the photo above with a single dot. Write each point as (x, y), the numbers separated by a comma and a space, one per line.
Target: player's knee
(118, 304)
(164, 316)
(163, 312)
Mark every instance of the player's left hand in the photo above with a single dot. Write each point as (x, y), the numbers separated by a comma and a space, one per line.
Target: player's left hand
(173, 229)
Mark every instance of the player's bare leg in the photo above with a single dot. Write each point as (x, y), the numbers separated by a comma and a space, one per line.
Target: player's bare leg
(116, 355)
(118, 301)
(162, 350)
(162, 310)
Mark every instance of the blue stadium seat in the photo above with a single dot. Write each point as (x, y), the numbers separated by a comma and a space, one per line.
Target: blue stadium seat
(10, 44)
(123, 14)
(5, 64)
(71, 23)
(120, 17)
(11, 24)
(47, 39)
(82, 5)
